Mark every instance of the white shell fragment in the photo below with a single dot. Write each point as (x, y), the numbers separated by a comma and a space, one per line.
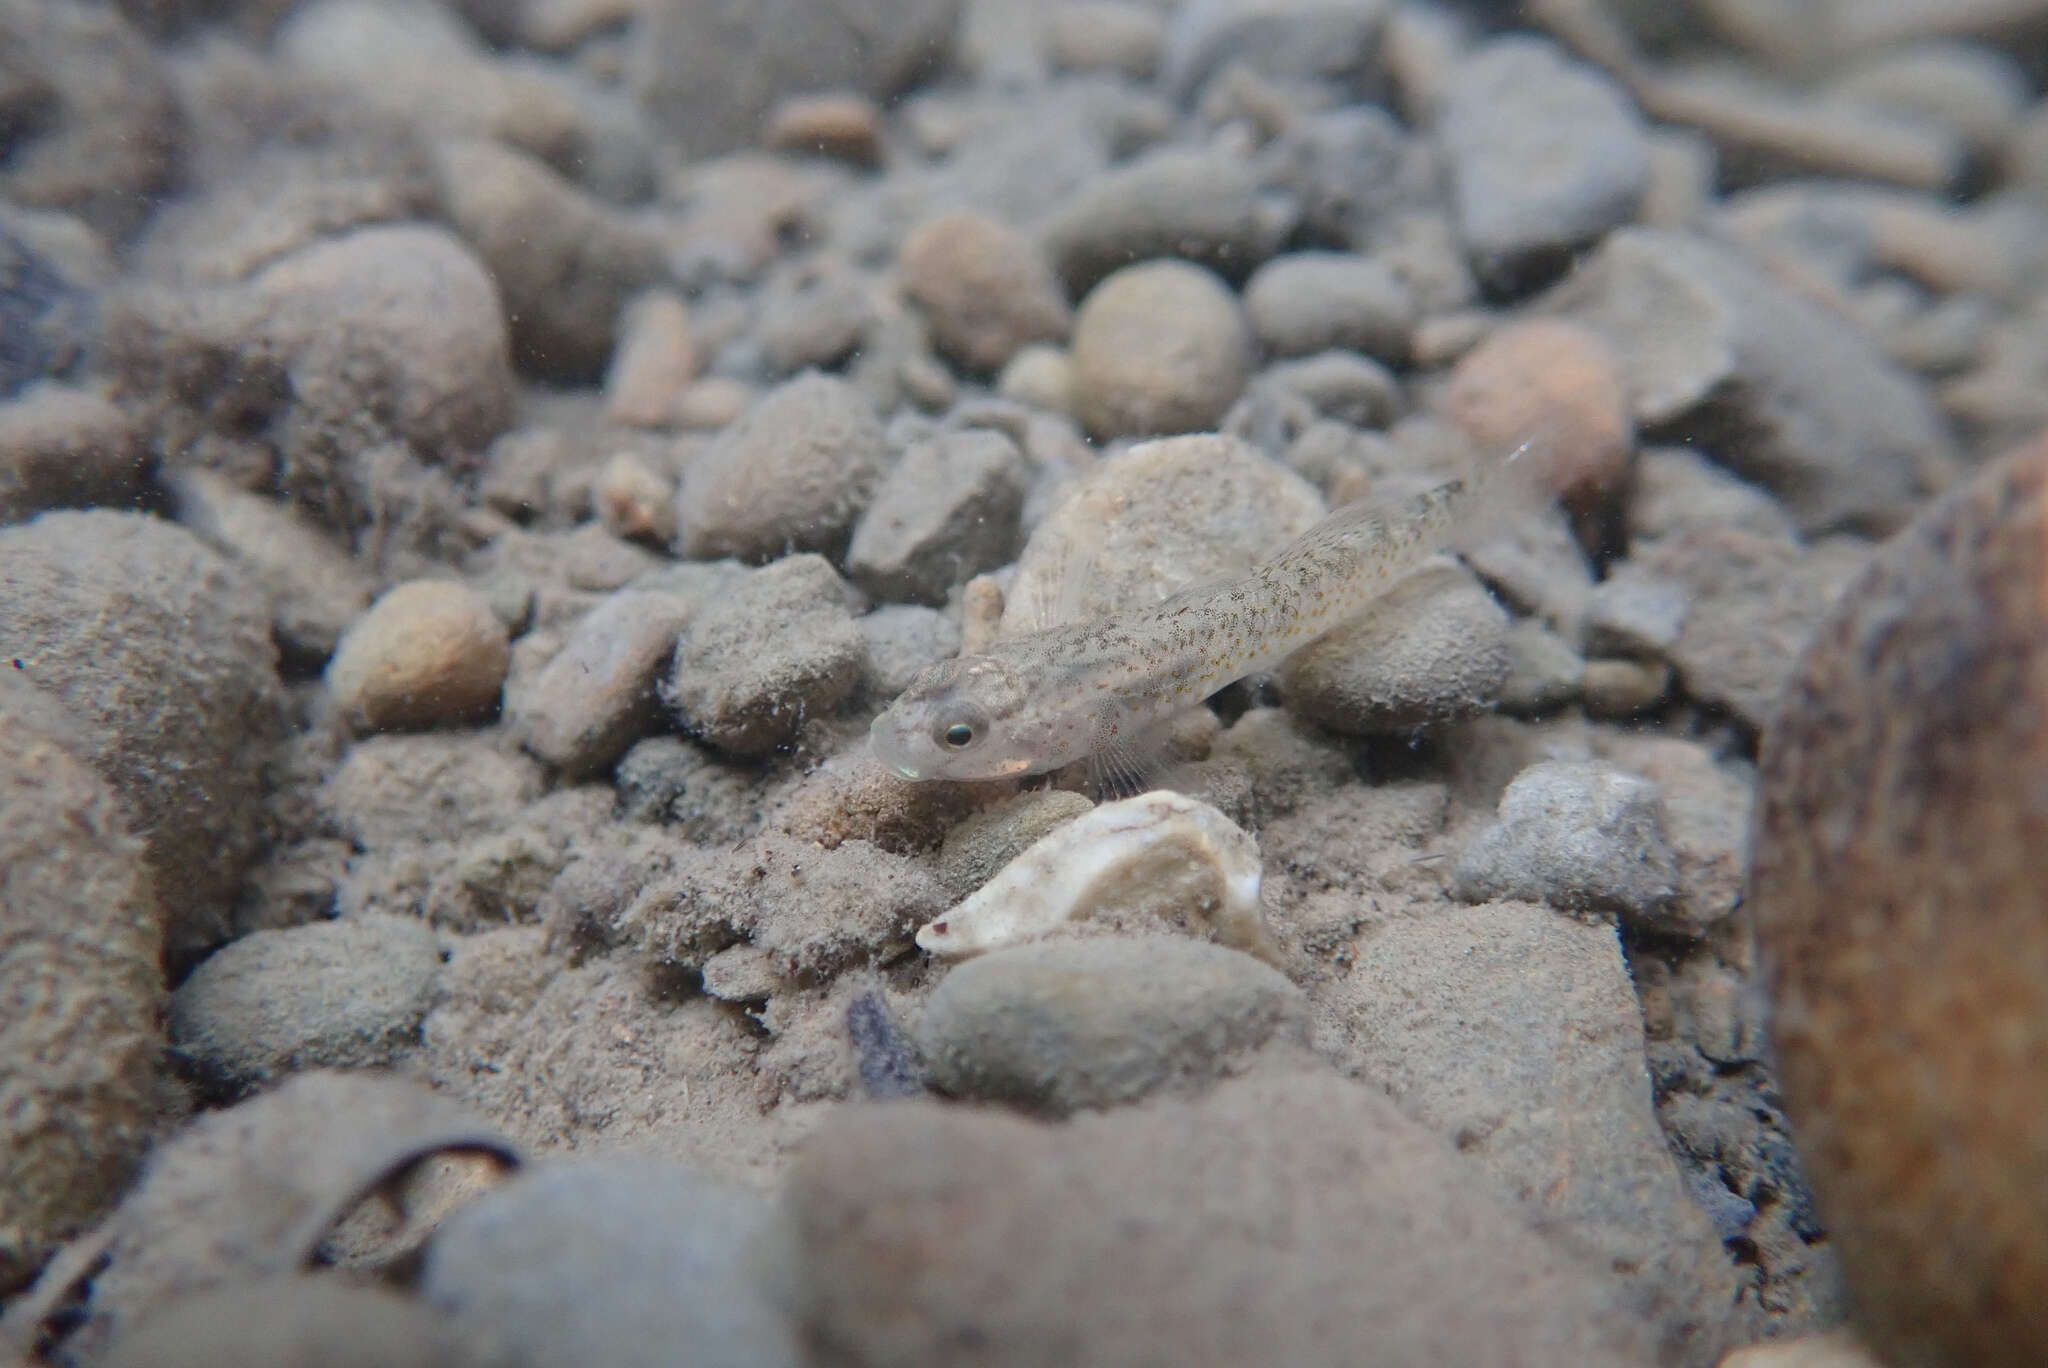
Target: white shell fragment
(1160, 854)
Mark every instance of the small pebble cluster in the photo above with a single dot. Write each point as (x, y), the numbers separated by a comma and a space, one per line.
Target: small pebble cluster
(471, 473)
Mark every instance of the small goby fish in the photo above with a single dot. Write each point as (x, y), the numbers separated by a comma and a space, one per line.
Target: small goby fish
(1091, 690)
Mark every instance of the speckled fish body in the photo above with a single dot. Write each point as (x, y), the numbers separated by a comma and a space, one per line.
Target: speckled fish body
(1038, 702)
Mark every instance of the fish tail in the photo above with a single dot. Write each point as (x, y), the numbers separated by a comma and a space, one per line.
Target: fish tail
(1386, 538)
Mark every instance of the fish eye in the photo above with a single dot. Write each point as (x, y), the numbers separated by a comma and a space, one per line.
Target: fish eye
(960, 727)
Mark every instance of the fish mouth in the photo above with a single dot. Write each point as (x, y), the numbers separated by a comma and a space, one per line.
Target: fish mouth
(879, 742)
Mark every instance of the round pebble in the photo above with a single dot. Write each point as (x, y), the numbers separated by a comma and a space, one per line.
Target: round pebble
(1622, 688)
(1160, 347)
(566, 262)
(1340, 385)
(428, 68)
(1152, 521)
(631, 1263)
(1040, 376)
(985, 287)
(1556, 383)
(1095, 1023)
(428, 653)
(793, 473)
(448, 787)
(1576, 834)
(1544, 672)
(903, 639)
(711, 403)
(66, 448)
(342, 994)
(686, 72)
(1286, 1217)
(817, 311)
(846, 128)
(252, 1191)
(1897, 897)
(1307, 302)
(1431, 650)
(401, 321)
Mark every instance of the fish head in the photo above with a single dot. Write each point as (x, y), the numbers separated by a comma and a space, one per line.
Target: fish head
(961, 719)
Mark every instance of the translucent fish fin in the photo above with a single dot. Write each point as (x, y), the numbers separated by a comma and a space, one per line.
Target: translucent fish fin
(1081, 552)
(1123, 765)
(1073, 536)
(1509, 488)
(1033, 605)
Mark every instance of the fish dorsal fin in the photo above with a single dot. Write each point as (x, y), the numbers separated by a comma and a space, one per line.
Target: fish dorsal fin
(1074, 535)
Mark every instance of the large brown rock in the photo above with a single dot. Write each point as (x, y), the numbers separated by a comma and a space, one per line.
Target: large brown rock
(82, 1079)
(248, 1195)
(1897, 888)
(93, 125)
(161, 649)
(1284, 1218)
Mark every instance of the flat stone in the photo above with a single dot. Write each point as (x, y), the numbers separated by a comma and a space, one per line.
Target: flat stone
(946, 511)
(1200, 206)
(1097, 1023)
(1712, 348)
(1305, 302)
(1515, 1032)
(1753, 603)
(1545, 154)
(62, 447)
(596, 697)
(332, 994)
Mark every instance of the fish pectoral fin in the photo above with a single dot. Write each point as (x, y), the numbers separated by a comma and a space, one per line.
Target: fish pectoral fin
(1123, 763)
